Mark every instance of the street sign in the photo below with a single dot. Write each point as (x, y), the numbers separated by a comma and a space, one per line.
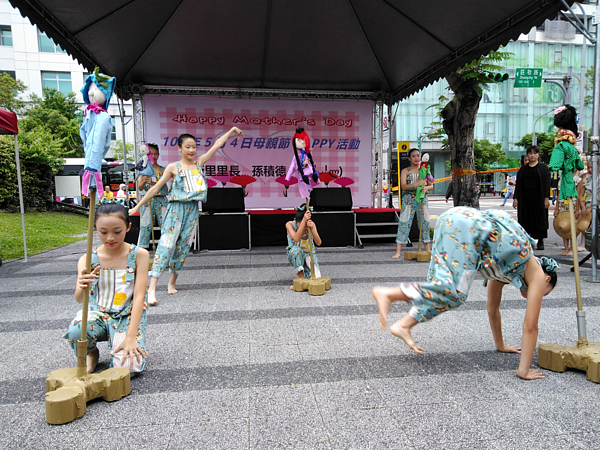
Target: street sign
(403, 147)
(528, 78)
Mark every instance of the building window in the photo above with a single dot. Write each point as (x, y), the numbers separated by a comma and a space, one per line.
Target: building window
(490, 128)
(10, 73)
(5, 36)
(47, 45)
(113, 130)
(61, 81)
(558, 57)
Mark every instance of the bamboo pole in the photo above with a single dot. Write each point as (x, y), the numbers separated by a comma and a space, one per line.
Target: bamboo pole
(82, 342)
(310, 246)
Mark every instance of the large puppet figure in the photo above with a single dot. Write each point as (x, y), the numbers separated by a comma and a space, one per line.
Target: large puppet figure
(144, 167)
(424, 174)
(565, 156)
(308, 177)
(96, 128)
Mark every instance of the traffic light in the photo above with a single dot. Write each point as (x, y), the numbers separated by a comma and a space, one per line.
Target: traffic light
(497, 77)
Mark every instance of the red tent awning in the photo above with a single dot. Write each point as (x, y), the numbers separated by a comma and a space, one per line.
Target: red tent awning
(8, 122)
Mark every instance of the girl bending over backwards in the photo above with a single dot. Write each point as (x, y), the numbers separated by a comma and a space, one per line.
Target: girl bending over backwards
(467, 241)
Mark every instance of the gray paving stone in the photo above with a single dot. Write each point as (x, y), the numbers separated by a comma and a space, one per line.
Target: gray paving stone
(237, 360)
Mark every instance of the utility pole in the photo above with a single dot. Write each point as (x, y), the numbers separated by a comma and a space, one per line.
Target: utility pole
(565, 86)
(595, 144)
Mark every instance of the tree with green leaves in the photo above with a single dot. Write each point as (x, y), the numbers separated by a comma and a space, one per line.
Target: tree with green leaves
(40, 154)
(10, 94)
(458, 121)
(57, 113)
(484, 154)
(545, 141)
(117, 149)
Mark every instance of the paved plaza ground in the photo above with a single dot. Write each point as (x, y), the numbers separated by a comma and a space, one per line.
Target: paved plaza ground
(238, 361)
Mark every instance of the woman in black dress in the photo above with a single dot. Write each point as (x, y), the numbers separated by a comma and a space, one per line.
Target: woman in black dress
(532, 196)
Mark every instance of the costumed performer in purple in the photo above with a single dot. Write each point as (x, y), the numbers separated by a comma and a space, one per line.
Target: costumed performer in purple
(308, 177)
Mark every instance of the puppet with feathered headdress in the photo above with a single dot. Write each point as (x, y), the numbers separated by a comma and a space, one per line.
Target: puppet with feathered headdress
(565, 156)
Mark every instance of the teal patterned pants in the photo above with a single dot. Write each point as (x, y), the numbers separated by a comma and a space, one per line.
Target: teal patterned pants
(409, 206)
(176, 233)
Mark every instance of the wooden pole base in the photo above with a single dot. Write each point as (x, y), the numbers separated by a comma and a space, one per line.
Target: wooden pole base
(316, 286)
(585, 356)
(421, 256)
(67, 393)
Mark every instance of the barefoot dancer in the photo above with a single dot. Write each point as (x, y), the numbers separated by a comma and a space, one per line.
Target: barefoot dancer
(466, 241)
(187, 189)
(298, 249)
(409, 182)
(117, 304)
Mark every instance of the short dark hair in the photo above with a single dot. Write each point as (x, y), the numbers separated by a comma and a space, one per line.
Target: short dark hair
(108, 209)
(533, 149)
(552, 275)
(154, 146)
(413, 150)
(183, 137)
(523, 160)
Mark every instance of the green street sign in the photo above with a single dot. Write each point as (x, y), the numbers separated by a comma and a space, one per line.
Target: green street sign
(528, 78)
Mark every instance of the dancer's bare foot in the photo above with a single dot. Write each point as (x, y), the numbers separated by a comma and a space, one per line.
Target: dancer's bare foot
(381, 296)
(92, 360)
(403, 333)
(581, 249)
(396, 255)
(171, 289)
(152, 298)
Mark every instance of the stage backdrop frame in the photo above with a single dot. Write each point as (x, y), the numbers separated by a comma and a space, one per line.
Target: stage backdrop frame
(140, 113)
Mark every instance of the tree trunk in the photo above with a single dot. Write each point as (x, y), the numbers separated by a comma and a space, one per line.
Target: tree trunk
(459, 123)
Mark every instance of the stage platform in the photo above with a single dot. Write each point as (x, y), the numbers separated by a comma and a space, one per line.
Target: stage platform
(265, 228)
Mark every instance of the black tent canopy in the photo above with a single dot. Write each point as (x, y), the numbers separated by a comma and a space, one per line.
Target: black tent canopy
(390, 48)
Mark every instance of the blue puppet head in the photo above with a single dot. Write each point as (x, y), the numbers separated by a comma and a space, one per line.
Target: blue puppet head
(105, 83)
(96, 128)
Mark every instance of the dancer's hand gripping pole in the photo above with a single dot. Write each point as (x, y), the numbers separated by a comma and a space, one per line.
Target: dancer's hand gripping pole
(69, 390)
(315, 286)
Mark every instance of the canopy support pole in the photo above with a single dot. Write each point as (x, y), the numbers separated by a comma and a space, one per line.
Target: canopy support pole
(138, 130)
(21, 196)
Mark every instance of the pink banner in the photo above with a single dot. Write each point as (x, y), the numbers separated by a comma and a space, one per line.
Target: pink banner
(340, 134)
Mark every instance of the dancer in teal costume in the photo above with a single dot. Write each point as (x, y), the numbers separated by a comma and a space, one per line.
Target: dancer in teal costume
(298, 249)
(157, 207)
(117, 303)
(468, 241)
(188, 188)
(409, 183)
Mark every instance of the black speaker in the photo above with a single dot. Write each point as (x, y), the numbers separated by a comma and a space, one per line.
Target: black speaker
(224, 200)
(224, 231)
(331, 199)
